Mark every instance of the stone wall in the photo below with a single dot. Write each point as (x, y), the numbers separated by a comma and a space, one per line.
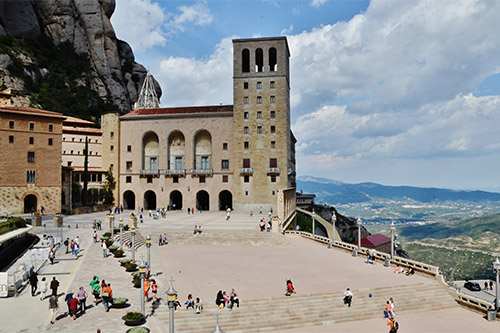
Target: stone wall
(12, 198)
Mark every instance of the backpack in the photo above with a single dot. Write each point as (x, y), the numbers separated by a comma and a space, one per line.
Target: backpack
(396, 326)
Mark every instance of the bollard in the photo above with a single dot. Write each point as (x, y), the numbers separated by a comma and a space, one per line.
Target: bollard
(492, 314)
(355, 252)
(387, 262)
(329, 244)
(77, 226)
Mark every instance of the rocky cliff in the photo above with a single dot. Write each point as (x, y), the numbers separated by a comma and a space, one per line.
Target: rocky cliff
(79, 35)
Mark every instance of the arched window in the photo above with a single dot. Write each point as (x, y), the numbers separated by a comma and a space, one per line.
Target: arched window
(245, 61)
(273, 60)
(259, 60)
(203, 150)
(150, 151)
(176, 151)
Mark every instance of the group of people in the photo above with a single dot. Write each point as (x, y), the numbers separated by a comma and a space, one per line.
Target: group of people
(101, 291)
(97, 225)
(192, 210)
(197, 230)
(262, 225)
(390, 315)
(162, 240)
(400, 270)
(74, 244)
(190, 303)
(486, 285)
(223, 300)
(371, 255)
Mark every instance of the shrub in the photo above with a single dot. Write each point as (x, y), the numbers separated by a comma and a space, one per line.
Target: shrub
(109, 242)
(137, 282)
(113, 248)
(130, 266)
(119, 253)
(138, 330)
(106, 234)
(124, 261)
(133, 315)
(126, 227)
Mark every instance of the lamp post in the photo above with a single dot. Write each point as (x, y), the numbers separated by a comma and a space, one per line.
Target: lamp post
(360, 223)
(334, 220)
(171, 294)
(148, 245)
(121, 234)
(314, 221)
(133, 243)
(393, 231)
(217, 327)
(112, 225)
(142, 274)
(496, 269)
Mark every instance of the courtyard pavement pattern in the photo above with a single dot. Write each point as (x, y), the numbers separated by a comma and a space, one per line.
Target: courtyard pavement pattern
(256, 272)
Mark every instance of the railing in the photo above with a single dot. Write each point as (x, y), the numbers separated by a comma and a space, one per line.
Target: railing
(288, 220)
(174, 172)
(151, 172)
(473, 302)
(273, 171)
(201, 172)
(246, 171)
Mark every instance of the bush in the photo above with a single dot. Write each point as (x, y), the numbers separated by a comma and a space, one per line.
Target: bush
(105, 238)
(106, 234)
(11, 224)
(113, 248)
(137, 282)
(126, 227)
(133, 316)
(138, 330)
(124, 261)
(109, 242)
(119, 253)
(130, 267)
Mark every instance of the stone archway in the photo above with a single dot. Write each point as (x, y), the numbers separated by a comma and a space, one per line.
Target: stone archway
(30, 203)
(225, 200)
(128, 200)
(203, 200)
(150, 200)
(176, 199)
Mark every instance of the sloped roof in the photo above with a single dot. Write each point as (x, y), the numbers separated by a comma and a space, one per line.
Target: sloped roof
(74, 120)
(374, 240)
(31, 112)
(180, 110)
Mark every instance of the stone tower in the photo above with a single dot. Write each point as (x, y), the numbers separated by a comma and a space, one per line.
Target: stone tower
(263, 145)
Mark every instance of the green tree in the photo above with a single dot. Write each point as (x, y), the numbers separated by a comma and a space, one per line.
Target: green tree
(109, 186)
(85, 173)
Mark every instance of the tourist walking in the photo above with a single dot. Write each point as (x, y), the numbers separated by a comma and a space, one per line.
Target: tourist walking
(262, 224)
(73, 306)
(66, 243)
(393, 325)
(154, 290)
(146, 290)
(33, 283)
(82, 298)
(391, 302)
(106, 296)
(388, 310)
(43, 288)
(54, 284)
(228, 214)
(96, 291)
(348, 297)
(52, 256)
(53, 308)
(104, 249)
(491, 284)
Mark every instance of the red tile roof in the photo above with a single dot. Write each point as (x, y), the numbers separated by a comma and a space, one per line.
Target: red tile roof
(181, 110)
(78, 121)
(90, 169)
(80, 130)
(374, 240)
(31, 111)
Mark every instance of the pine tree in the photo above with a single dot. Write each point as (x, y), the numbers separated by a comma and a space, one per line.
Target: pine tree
(85, 172)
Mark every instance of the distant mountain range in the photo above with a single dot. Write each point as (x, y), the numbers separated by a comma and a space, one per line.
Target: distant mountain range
(336, 192)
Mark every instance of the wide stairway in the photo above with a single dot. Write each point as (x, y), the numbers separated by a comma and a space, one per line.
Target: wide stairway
(309, 310)
(139, 240)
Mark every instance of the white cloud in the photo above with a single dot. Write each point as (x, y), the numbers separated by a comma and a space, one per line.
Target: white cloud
(317, 3)
(140, 22)
(287, 31)
(198, 14)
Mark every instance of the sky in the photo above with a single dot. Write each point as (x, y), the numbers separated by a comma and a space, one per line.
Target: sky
(396, 92)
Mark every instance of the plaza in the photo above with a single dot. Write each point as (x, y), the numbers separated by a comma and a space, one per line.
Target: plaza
(235, 254)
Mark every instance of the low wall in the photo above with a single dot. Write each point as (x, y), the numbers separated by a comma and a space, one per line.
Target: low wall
(90, 209)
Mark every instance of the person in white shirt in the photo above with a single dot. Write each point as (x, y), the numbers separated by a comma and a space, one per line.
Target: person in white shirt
(348, 297)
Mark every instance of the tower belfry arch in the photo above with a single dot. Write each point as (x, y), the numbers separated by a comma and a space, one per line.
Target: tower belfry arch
(147, 97)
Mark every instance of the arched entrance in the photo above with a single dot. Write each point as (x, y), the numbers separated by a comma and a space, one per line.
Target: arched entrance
(30, 203)
(128, 200)
(202, 200)
(176, 199)
(150, 200)
(225, 200)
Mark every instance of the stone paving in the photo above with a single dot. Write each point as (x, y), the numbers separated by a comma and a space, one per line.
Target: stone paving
(255, 271)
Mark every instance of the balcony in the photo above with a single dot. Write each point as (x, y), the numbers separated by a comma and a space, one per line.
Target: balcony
(246, 171)
(202, 172)
(150, 172)
(174, 172)
(273, 171)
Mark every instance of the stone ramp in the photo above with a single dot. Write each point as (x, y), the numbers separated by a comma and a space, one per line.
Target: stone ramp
(310, 310)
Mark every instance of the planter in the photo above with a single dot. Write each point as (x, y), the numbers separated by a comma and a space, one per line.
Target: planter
(118, 253)
(113, 248)
(109, 242)
(137, 282)
(124, 261)
(138, 330)
(119, 302)
(105, 238)
(106, 234)
(133, 318)
(130, 267)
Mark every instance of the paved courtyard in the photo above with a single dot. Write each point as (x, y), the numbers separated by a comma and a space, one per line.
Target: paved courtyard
(227, 255)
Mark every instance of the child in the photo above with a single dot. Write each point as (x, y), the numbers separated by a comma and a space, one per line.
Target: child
(289, 288)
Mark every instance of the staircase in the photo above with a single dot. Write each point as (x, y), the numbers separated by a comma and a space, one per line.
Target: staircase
(226, 238)
(127, 237)
(309, 310)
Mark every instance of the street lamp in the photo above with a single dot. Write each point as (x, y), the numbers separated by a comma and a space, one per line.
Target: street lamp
(393, 231)
(496, 269)
(142, 274)
(121, 234)
(171, 295)
(217, 327)
(148, 245)
(133, 243)
(360, 223)
(112, 225)
(314, 221)
(334, 220)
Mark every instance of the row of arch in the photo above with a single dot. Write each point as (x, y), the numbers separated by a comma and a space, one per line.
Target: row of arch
(259, 60)
(176, 200)
(176, 150)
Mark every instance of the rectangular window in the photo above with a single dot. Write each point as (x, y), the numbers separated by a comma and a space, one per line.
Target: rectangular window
(272, 99)
(94, 177)
(246, 178)
(51, 141)
(273, 129)
(259, 85)
(31, 157)
(111, 148)
(259, 129)
(128, 179)
(205, 162)
(99, 177)
(31, 140)
(259, 99)
(245, 115)
(246, 145)
(225, 164)
(224, 146)
(129, 165)
(245, 100)
(202, 179)
(273, 115)
(259, 114)
(150, 179)
(175, 179)
(245, 130)
(30, 176)
(71, 152)
(225, 178)
(69, 163)
(178, 163)
(246, 192)
(245, 85)
(32, 126)
(11, 139)
(51, 128)
(112, 135)
(273, 179)
(273, 162)
(111, 167)
(129, 148)
(11, 124)
(273, 144)
(271, 84)
(153, 163)
(246, 163)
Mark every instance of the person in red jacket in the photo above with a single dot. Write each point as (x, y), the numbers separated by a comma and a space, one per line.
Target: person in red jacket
(73, 306)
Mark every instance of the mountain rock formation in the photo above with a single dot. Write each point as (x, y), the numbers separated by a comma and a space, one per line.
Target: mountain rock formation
(83, 24)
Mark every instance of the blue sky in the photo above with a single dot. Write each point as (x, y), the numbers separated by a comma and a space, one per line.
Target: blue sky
(395, 92)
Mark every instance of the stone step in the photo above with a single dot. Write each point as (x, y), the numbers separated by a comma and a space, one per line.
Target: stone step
(127, 237)
(226, 238)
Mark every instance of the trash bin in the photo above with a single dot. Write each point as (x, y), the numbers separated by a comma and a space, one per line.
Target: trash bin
(355, 252)
(387, 262)
(492, 314)
(329, 244)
